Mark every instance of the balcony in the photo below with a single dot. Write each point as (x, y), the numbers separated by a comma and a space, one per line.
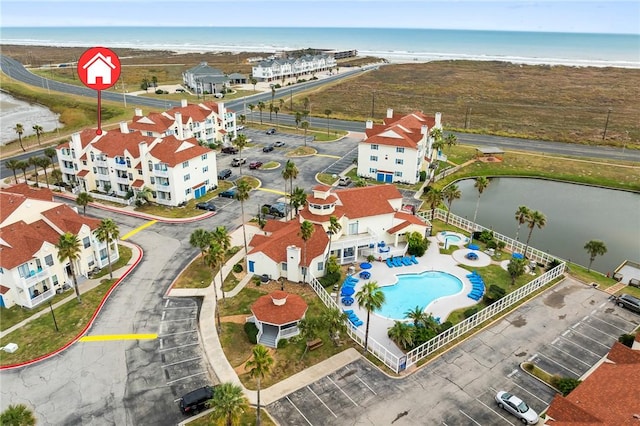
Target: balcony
(42, 297)
(123, 180)
(34, 278)
(161, 172)
(100, 163)
(121, 165)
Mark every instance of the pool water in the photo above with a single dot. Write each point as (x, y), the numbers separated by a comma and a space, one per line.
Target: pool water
(413, 290)
(452, 239)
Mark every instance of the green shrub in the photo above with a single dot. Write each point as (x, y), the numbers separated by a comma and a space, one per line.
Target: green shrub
(492, 244)
(627, 339)
(329, 279)
(494, 294)
(282, 343)
(445, 326)
(471, 311)
(237, 268)
(423, 175)
(252, 332)
(565, 384)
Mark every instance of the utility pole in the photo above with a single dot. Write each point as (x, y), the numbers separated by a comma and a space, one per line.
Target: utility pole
(466, 117)
(291, 99)
(55, 323)
(373, 102)
(606, 124)
(124, 96)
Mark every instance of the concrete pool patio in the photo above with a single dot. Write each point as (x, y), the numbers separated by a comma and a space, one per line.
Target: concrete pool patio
(432, 260)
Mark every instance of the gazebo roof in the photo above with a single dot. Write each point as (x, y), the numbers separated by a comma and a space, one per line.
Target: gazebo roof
(279, 307)
(490, 150)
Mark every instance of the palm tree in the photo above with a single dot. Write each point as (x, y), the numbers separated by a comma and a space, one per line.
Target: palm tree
(240, 142)
(13, 165)
(254, 82)
(33, 161)
(298, 119)
(305, 126)
(371, 298)
(306, 232)
(298, 199)
(243, 119)
(481, 184)
(39, 130)
(261, 107)
(229, 403)
(242, 194)
(56, 175)
(23, 165)
(83, 199)
(270, 110)
(594, 248)
(221, 237)
(275, 111)
(201, 239)
(417, 315)
(69, 248)
(251, 108)
(107, 232)
(214, 259)
(434, 197)
(306, 103)
(534, 219)
(332, 229)
(154, 80)
(334, 321)
(451, 140)
(450, 194)
(515, 268)
(259, 366)
(144, 195)
(20, 130)
(438, 141)
(50, 153)
(402, 333)
(290, 171)
(521, 217)
(327, 112)
(17, 415)
(44, 163)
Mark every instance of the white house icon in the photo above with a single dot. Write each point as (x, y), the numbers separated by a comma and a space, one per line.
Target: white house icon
(99, 66)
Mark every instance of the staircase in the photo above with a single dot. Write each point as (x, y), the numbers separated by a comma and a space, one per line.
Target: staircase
(268, 337)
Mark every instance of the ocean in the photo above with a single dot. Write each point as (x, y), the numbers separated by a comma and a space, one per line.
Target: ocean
(395, 45)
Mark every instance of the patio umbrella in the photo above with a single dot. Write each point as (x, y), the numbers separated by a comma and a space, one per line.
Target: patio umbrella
(518, 256)
(473, 247)
(347, 291)
(365, 265)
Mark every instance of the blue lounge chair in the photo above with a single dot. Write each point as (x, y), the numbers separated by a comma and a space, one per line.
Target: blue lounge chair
(413, 259)
(358, 323)
(348, 311)
(397, 261)
(389, 263)
(352, 280)
(406, 261)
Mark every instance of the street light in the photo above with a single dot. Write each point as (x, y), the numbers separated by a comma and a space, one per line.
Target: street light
(55, 323)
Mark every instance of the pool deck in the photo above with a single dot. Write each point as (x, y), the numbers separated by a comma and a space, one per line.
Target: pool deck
(431, 261)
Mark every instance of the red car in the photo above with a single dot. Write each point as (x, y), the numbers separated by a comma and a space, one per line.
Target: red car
(255, 165)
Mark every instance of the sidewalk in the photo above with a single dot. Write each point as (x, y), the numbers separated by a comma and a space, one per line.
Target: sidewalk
(87, 285)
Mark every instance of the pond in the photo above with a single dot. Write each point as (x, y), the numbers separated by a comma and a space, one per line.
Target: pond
(14, 111)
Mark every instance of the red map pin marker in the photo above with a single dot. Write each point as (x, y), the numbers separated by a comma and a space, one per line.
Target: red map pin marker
(99, 69)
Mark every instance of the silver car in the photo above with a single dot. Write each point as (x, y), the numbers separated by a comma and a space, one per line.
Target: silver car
(517, 407)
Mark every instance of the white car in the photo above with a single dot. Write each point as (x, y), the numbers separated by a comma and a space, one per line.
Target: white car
(517, 407)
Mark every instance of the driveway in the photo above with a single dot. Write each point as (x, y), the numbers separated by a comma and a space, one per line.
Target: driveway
(458, 387)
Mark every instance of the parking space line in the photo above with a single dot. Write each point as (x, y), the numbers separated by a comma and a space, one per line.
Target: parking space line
(167, 303)
(319, 399)
(469, 417)
(182, 319)
(294, 406)
(631, 323)
(532, 357)
(109, 337)
(556, 362)
(180, 362)
(327, 155)
(345, 394)
(581, 347)
(178, 347)
(368, 387)
(597, 329)
(180, 307)
(594, 340)
(533, 395)
(496, 413)
(567, 353)
(179, 332)
(612, 325)
(163, 314)
(186, 377)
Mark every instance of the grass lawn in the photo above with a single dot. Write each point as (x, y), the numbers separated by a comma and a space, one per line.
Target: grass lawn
(301, 151)
(39, 337)
(198, 275)
(248, 418)
(253, 182)
(15, 314)
(183, 212)
(326, 178)
(580, 272)
(270, 165)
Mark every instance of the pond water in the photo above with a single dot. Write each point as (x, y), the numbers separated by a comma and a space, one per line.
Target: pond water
(14, 111)
(575, 214)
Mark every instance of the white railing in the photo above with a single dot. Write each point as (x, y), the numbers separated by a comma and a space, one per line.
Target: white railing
(35, 301)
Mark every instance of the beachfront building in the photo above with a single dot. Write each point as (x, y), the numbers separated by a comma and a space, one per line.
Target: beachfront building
(208, 122)
(279, 69)
(399, 149)
(31, 224)
(372, 223)
(204, 79)
(123, 163)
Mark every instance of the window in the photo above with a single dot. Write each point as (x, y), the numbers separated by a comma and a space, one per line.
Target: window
(139, 172)
(84, 162)
(206, 182)
(204, 156)
(398, 149)
(399, 161)
(205, 169)
(86, 242)
(150, 166)
(187, 177)
(399, 174)
(128, 162)
(185, 164)
(373, 170)
(130, 176)
(152, 180)
(103, 254)
(373, 158)
(283, 266)
(48, 260)
(54, 280)
(353, 228)
(374, 147)
(149, 133)
(187, 191)
(320, 266)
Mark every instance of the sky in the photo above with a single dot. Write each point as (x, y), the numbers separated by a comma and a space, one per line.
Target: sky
(542, 15)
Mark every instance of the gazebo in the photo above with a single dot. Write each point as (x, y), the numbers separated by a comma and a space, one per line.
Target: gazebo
(277, 315)
(489, 153)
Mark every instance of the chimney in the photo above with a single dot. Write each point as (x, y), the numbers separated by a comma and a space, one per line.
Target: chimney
(138, 112)
(178, 118)
(438, 120)
(389, 112)
(75, 139)
(124, 128)
(424, 130)
(369, 124)
(183, 103)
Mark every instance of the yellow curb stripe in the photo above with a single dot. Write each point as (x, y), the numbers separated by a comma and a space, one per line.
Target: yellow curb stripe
(138, 229)
(327, 155)
(107, 337)
(274, 191)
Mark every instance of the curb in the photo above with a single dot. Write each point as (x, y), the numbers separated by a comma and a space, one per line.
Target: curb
(89, 324)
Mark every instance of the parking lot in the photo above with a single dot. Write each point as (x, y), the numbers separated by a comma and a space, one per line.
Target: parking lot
(566, 330)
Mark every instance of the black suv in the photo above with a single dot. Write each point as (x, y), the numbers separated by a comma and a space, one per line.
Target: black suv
(224, 173)
(207, 205)
(629, 302)
(267, 148)
(271, 131)
(229, 150)
(196, 400)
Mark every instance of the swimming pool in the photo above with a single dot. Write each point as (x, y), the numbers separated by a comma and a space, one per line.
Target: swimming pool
(413, 290)
(455, 238)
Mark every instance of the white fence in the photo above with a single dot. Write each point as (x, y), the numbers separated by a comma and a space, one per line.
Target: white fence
(398, 364)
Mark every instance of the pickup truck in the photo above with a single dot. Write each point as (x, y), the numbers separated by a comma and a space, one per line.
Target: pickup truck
(277, 209)
(237, 162)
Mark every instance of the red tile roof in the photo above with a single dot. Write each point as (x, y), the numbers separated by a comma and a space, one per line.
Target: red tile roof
(3, 289)
(275, 245)
(400, 130)
(9, 203)
(115, 143)
(138, 183)
(157, 122)
(368, 201)
(270, 309)
(83, 173)
(67, 220)
(273, 225)
(24, 240)
(173, 151)
(44, 194)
